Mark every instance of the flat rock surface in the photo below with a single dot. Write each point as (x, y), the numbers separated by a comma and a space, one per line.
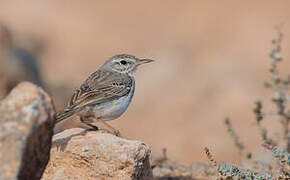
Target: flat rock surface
(83, 154)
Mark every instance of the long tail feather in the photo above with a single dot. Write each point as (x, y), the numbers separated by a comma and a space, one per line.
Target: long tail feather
(63, 114)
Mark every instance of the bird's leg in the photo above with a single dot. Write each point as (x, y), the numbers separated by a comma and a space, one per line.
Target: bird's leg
(87, 121)
(116, 132)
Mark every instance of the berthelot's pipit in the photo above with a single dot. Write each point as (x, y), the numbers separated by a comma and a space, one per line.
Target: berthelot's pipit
(106, 94)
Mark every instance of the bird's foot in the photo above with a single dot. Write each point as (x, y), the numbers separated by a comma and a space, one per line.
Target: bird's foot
(93, 128)
(117, 133)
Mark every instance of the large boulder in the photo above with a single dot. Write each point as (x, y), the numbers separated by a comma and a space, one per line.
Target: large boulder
(26, 130)
(83, 154)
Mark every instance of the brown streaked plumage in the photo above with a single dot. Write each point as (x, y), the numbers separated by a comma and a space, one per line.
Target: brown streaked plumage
(106, 94)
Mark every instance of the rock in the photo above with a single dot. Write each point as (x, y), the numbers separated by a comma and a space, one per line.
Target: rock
(166, 169)
(82, 154)
(26, 129)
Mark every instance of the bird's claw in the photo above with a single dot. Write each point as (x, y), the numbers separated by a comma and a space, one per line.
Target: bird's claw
(117, 133)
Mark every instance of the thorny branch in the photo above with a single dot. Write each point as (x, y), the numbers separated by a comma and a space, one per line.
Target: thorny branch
(280, 87)
(259, 117)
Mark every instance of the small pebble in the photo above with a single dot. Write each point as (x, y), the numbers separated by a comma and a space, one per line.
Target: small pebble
(85, 149)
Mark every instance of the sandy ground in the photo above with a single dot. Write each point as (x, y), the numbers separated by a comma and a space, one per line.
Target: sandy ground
(211, 62)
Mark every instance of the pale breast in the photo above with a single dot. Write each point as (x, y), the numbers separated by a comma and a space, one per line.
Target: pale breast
(113, 109)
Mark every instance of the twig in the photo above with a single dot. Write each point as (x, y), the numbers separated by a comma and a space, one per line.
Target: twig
(240, 146)
(259, 117)
(210, 157)
(280, 87)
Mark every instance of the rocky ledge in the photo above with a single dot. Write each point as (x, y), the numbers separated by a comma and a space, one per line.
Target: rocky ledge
(83, 154)
(28, 149)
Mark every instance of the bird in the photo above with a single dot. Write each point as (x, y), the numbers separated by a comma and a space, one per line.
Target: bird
(106, 94)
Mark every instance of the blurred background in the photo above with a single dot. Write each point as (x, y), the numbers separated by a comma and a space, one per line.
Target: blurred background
(211, 62)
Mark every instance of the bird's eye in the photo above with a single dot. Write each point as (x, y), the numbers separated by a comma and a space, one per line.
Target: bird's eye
(123, 62)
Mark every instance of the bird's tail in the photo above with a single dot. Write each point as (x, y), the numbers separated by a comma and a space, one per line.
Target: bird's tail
(63, 114)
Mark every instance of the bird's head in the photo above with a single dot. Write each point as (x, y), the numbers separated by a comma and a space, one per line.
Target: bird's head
(124, 63)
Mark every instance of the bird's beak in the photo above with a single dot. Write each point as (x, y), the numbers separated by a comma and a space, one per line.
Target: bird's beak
(144, 61)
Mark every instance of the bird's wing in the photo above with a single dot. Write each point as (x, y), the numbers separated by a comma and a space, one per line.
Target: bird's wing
(100, 87)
